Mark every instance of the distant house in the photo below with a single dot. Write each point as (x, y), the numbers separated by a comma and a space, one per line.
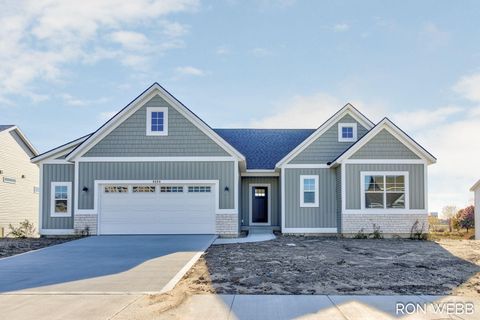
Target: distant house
(19, 187)
(433, 214)
(476, 190)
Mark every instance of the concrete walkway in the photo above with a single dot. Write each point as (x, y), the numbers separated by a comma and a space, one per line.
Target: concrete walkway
(265, 307)
(252, 237)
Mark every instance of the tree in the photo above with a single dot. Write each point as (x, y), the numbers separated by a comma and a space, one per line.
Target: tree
(449, 212)
(466, 217)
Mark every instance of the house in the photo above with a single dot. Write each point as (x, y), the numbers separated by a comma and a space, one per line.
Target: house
(156, 167)
(476, 189)
(18, 179)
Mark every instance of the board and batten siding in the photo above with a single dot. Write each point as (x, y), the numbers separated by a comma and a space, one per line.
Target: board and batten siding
(323, 216)
(182, 170)
(416, 182)
(274, 198)
(17, 200)
(56, 173)
(384, 146)
(327, 147)
(129, 139)
(338, 190)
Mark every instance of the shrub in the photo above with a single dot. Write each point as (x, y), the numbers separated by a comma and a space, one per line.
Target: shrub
(376, 234)
(417, 231)
(360, 235)
(25, 230)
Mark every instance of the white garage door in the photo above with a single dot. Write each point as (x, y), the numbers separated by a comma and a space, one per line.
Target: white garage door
(157, 209)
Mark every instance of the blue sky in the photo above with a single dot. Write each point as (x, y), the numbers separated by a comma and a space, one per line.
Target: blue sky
(66, 66)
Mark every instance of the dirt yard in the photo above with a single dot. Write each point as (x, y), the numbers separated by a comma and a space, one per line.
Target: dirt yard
(11, 246)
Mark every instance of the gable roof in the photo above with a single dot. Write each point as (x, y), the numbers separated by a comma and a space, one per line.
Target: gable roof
(475, 186)
(347, 109)
(55, 151)
(263, 148)
(11, 127)
(137, 103)
(398, 133)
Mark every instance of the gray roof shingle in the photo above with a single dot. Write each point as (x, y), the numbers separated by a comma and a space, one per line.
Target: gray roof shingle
(5, 126)
(263, 148)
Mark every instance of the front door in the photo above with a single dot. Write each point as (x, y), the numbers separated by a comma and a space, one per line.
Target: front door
(259, 205)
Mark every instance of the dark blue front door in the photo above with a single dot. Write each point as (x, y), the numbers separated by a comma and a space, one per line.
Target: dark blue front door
(259, 205)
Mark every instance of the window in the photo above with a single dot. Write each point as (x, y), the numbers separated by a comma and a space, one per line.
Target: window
(385, 190)
(171, 189)
(115, 189)
(157, 121)
(143, 189)
(199, 189)
(61, 195)
(347, 132)
(36, 189)
(259, 192)
(308, 191)
(9, 180)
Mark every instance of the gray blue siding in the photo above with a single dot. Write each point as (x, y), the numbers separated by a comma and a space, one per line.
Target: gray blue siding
(56, 173)
(222, 171)
(416, 181)
(325, 216)
(274, 198)
(384, 146)
(327, 147)
(338, 190)
(129, 139)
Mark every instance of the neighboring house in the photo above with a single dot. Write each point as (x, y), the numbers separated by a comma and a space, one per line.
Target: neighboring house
(18, 179)
(476, 190)
(155, 167)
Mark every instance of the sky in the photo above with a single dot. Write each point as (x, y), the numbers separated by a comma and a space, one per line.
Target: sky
(67, 66)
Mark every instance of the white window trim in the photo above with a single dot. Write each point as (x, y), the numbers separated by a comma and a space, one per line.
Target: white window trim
(347, 125)
(149, 121)
(69, 199)
(302, 203)
(384, 173)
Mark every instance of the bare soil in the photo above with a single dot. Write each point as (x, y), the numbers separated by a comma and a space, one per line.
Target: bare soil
(13, 246)
(314, 265)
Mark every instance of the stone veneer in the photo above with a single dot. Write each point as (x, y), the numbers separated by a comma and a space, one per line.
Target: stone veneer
(81, 221)
(390, 224)
(227, 225)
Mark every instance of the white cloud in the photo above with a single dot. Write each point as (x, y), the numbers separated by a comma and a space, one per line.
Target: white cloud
(104, 116)
(260, 52)
(341, 27)
(77, 102)
(130, 40)
(433, 37)
(222, 50)
(189, 71)
(417, 120)
(39, 39)
(469, 87)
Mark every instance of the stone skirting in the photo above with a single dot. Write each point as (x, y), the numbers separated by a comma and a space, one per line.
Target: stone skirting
(390, 224)
(227, 225)
(82, 221)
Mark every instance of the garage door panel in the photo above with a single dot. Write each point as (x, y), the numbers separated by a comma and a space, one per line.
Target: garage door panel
(157, 213)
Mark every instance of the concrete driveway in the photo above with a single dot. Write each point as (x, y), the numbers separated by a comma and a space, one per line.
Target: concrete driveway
(103, 265)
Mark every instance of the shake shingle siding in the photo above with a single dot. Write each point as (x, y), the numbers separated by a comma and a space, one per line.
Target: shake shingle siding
(327, 147)
(129, 139)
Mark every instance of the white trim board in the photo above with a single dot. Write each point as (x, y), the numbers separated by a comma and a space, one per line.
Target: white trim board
(306, 166)
(139, 102)
(58, 151)
(269, 204)
(154, 159)
(348, 109)
(23, 137)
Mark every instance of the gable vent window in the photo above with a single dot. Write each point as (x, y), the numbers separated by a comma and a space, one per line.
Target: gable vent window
(157, 121)
(347, 132)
